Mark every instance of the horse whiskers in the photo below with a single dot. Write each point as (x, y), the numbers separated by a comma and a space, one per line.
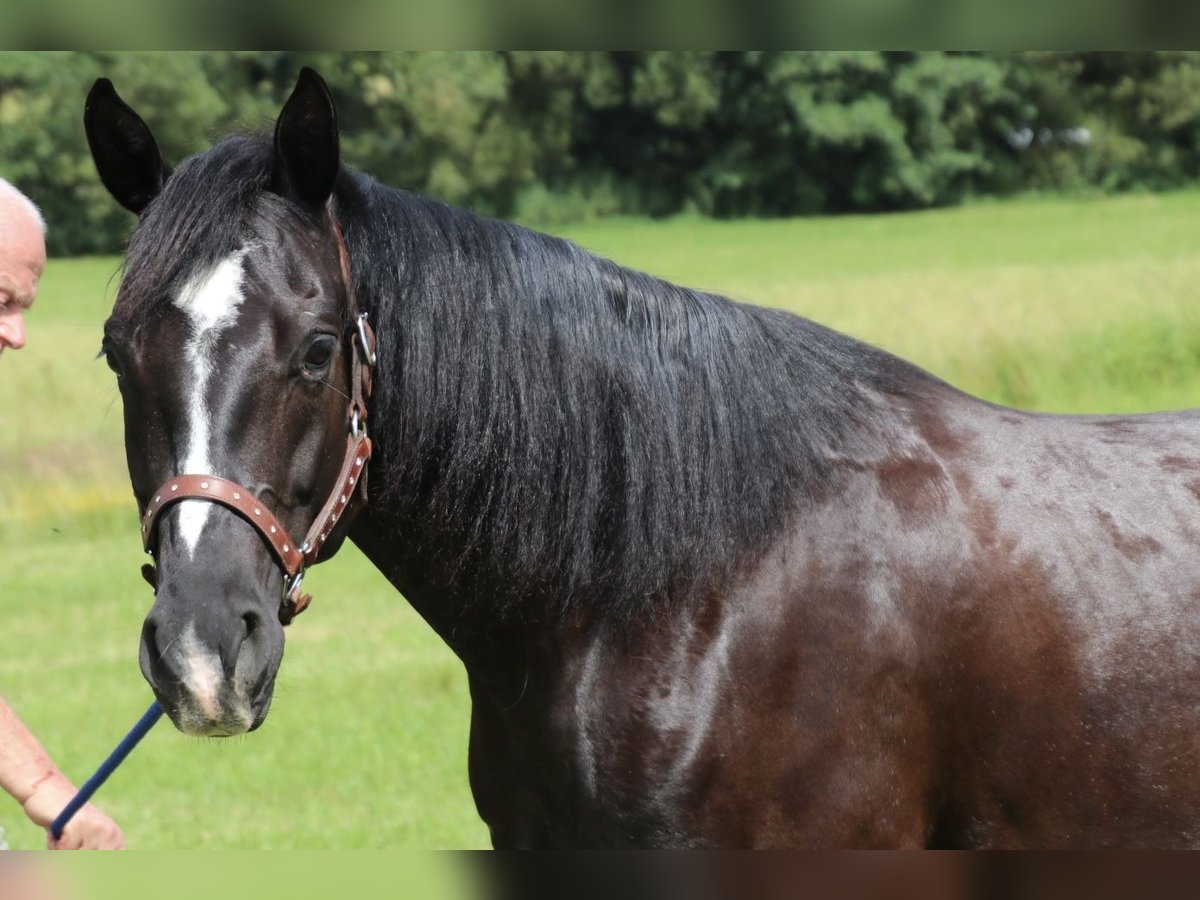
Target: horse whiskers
(163, 653)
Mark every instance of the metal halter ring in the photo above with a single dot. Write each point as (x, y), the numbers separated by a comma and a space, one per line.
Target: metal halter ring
(356, 425)
(292, 584)
(361, 323)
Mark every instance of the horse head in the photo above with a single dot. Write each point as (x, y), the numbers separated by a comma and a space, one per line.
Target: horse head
(233, 339)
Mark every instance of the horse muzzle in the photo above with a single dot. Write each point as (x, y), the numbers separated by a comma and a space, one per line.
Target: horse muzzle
(213, 674)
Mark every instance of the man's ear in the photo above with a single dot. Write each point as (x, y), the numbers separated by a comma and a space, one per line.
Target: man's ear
(306, 143)
(123, 148)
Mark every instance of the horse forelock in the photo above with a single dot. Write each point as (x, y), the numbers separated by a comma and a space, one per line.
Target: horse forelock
(199, 219)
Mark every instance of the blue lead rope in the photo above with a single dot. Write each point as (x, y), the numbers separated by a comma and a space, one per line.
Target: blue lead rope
(145, 723)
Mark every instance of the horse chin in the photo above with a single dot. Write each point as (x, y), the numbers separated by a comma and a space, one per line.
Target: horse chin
(233, 715)
(229, 721)
(225, 728)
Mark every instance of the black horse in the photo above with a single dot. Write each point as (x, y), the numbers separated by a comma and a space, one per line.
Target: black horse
(718, 576)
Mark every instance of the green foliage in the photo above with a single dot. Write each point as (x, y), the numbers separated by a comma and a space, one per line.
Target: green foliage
(813, 131)
(560, 136)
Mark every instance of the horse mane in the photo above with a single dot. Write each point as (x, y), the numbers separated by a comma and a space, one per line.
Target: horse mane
(584, 432)
(549, 424)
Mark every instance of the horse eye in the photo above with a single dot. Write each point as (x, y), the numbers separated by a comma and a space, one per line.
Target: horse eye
(110, 360)
(319, 353)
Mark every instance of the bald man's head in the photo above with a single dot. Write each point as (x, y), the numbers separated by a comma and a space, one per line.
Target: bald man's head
(22, 260)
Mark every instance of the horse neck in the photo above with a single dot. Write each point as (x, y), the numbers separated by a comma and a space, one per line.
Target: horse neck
(487, 530)
(497, 650)
(389, 531)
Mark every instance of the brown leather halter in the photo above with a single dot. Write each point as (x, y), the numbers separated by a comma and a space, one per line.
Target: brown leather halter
(294, 558)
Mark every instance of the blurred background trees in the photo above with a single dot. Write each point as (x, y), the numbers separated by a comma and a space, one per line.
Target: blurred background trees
(560, 136)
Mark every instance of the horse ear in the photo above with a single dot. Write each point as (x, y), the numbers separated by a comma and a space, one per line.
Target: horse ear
(306, 143)
(123, 148)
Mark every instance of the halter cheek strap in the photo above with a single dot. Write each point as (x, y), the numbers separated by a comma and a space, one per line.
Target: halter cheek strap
(293, 558)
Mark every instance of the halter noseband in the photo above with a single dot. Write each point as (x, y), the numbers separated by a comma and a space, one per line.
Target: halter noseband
(292, 557)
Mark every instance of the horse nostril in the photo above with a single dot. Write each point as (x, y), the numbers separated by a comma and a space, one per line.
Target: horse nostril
(153, 666)
(149, 637)
(252, 620)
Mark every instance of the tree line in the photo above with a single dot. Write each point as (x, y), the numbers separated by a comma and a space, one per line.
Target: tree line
(558, 136)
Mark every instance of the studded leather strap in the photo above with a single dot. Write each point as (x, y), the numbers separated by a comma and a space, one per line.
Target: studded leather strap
(354, 465)
(232, 495)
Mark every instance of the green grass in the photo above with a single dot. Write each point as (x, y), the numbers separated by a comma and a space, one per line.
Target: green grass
(1082, 305)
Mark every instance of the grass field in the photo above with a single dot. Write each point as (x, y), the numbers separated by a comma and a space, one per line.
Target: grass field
(1057, 305)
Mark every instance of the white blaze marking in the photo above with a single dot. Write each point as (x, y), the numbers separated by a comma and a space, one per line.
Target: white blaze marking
(211, 300)
(201, 672)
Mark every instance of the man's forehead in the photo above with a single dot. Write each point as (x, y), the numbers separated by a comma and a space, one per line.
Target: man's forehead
(22, 247)
(18, 218)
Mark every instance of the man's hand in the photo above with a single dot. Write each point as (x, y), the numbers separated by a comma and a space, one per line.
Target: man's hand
(90, 829)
